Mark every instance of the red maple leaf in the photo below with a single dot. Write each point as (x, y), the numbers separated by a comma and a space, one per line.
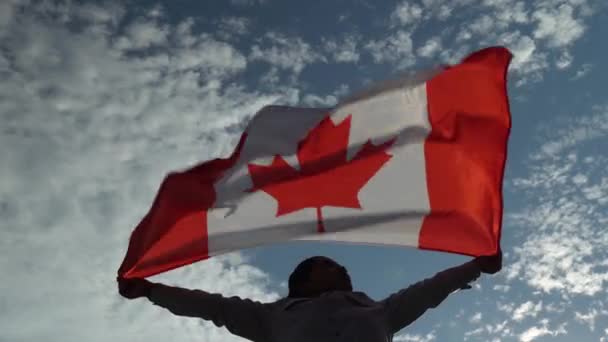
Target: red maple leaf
(326, 177)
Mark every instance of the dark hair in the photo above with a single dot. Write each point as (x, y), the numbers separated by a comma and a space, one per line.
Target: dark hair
(301, 275)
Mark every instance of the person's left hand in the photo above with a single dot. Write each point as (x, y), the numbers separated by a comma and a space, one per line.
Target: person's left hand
(490, 264)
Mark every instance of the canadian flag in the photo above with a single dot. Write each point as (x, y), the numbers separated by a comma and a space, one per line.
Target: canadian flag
(414, 162)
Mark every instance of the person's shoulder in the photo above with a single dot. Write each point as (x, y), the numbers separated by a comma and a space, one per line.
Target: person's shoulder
(285, 303)
(361, 298)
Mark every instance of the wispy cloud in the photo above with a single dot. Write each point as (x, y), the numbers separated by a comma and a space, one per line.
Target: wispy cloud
(407, 13)
(557, 24)
(430, 48)
(346, 50)
(564, 61)
(560, 247)
(397, 48)
(89, 109)
(535, 332)
(527, 309)
(415, 337)
(285, 52)
(476, 318)
(143, 34)
(536, 32)
(563, 244)
(590, 317)
(582, 71)
(230, 27)
(489, 332)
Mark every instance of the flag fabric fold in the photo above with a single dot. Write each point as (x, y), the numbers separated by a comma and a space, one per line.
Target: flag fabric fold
(416, 162)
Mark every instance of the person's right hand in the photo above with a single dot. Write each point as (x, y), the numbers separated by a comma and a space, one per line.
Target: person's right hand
(133, 288)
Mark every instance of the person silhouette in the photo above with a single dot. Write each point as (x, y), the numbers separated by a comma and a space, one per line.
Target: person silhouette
(321, 305)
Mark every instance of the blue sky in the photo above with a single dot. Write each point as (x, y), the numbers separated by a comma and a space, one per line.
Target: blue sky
(100, 99)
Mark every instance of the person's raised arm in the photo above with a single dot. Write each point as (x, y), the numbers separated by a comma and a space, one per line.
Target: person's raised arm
(242, 317)
(405, 306)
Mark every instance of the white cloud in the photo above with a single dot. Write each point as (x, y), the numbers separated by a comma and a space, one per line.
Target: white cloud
(234, 26)
(564, 61)
(143, 34)
(331, 100)
(342, 90)
(318, 101)
(489, 332)
(505, 307)
(558, 25)
(568, 199)
(407, 13)
(587, 318)
(92, 132)
(527, 309)
(502, 288)
(560, 261)
(508, 12)
(206, 55)
(595, 192)
(475, 332)
(536, 31)
(396, 48)
(415, 337)
(499, 328)
(582, 71)
(183, 36)
(285, 52)
(527, 59)
(579, 179)
(344, 51)
(463, 35)
(585, 129)
(430, 48)
(482, 24)
(476, 318)
(535, 332)
(443, 11)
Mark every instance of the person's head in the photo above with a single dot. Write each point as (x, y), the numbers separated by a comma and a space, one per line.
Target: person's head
(317, 275)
